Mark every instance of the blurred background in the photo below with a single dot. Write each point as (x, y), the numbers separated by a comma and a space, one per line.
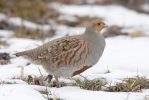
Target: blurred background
(39, 19)
(44, 20)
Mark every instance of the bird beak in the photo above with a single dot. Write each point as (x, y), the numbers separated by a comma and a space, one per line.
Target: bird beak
(105, 26)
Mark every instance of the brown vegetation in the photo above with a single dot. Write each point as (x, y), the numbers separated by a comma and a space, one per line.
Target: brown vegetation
(130, 85)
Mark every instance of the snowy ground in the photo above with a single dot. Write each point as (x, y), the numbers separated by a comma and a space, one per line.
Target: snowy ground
(123, 57)
(112, 15)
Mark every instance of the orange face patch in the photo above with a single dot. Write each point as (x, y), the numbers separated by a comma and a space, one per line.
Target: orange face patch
(98, 25)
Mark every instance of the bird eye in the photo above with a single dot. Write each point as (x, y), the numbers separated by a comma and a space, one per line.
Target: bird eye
(98, 23)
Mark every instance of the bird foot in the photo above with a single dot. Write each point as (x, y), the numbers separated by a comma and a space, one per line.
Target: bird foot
(48, 79)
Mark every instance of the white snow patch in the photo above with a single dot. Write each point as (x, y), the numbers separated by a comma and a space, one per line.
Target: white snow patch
(6, 33)
(67, 17)
(2, 16)
(112, 15)
(123, 57)
(19, 22)
(145, 7)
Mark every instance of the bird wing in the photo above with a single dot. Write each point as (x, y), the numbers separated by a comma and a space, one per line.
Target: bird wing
(66, 50)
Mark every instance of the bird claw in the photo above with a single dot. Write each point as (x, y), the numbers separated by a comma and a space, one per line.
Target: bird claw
(48, 78)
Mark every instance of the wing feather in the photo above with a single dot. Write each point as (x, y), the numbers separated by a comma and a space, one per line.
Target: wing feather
(59, 47)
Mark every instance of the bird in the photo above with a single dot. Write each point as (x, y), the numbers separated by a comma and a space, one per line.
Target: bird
(70, 55)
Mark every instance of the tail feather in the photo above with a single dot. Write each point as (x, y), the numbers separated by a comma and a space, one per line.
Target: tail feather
(30, 55)
(24, 53)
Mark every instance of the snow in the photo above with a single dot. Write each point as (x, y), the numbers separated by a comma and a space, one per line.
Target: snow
(23, 92)
(19, 92)
(65, 93)
(2, 16)
(67, 17)
(123, 57)
(16, 21)
(63, 30)
(19, 22)
(145, 7)
(112, 15)
(6, 33)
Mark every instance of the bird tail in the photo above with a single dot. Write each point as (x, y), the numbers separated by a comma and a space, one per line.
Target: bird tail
(23, 53)
(30, 55)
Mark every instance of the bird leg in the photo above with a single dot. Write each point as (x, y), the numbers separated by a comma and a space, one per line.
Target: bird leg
(48, 78)
(58, 85)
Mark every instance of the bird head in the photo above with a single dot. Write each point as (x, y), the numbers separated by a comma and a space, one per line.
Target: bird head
(96, 25)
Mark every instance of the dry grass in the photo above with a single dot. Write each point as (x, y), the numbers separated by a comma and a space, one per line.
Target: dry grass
(3, 43)
(127, 85)
(80, 21)
(27, 9)
(34, 34)
(94, 85)
(11, 82)
(3, 82)
(4, 58)
(34, 80)
(114, 31)
(37, 11)
(146, 97)
(48, 95)
(53, 84)
(32, 10)
(137, 33)
(130, 85)
(42, 80)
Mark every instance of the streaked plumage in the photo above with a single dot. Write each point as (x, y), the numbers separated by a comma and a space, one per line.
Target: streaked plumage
(71, 55)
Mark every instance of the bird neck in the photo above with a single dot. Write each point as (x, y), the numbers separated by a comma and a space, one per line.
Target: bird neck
(89, 31)
(97, 44)
(94, 37)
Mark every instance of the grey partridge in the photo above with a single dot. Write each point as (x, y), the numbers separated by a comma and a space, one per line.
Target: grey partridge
(70, 55)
